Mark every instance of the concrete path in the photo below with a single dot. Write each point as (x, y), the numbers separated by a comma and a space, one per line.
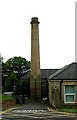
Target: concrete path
(32, 105)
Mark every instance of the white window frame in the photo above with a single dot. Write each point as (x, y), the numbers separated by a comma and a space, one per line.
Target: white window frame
(67, 94)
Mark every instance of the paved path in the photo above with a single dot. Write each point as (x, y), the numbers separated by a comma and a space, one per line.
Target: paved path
(36, 111)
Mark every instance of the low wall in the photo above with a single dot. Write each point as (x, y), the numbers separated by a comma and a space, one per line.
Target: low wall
(7, 104)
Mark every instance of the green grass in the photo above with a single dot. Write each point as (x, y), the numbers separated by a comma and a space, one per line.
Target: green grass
(5, 97)
(72, 110)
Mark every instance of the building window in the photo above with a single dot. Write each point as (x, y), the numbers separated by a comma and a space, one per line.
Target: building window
(69, 93)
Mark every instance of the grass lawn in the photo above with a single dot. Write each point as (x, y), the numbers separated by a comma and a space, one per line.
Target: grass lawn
(71, 110)
(5, 97)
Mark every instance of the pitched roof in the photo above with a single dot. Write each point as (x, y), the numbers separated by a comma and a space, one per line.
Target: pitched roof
(44, 73)
(68, 72)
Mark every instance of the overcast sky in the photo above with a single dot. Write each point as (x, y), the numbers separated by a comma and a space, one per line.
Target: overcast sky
(56, 30)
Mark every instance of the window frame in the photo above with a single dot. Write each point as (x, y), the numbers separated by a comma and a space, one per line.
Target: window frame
(67, 94)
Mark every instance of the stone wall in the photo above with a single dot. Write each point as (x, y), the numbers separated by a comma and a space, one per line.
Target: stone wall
(56, 92)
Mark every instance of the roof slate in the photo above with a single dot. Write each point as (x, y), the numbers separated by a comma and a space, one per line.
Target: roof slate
(68, 72)
(44, 73)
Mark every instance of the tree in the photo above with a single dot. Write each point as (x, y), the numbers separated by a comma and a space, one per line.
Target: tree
(10, 82)
(14, 66)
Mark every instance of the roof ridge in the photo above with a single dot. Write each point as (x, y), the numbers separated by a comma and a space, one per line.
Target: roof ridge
(59, 71)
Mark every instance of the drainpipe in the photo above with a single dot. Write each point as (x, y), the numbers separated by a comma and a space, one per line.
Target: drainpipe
(61, 89)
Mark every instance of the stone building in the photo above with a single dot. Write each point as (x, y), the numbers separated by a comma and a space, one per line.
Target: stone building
(58, 86)
(44, 74)
(62, 86)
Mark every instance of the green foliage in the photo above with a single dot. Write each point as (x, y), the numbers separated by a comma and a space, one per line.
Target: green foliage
(16, 64)
(10, 82)
(12, 71)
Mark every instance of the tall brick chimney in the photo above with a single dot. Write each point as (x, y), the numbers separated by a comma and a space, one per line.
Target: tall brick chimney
(35, 81)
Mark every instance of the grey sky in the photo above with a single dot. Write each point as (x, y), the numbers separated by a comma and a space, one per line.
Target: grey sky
(56, 30)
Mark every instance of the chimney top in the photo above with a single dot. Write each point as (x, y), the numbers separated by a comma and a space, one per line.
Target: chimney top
(34, 20)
